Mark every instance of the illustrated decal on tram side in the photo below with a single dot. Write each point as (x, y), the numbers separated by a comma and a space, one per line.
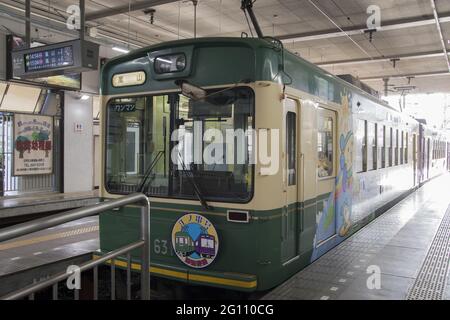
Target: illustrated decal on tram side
(195, 240)
(344, 180)
(338, 205)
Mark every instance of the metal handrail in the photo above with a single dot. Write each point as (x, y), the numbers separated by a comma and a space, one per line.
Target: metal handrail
(48, 222)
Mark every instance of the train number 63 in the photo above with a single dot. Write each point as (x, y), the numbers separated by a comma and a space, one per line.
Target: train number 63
(160, 247)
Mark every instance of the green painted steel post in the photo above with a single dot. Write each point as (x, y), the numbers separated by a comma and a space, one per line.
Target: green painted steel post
(145, 256)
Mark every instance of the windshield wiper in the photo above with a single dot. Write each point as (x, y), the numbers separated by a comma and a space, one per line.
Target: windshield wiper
(149, 170)
(195, 186)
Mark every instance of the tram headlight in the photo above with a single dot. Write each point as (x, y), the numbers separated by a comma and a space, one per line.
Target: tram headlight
(170, 63)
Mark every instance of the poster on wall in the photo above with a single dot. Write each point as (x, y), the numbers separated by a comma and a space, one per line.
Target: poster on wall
(33, 144)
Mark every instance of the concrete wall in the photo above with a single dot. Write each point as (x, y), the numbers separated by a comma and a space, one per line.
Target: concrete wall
(78, 145)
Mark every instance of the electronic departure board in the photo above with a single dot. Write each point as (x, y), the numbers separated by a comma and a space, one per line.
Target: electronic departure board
(69, 81)
(56, 59)
(48, 59)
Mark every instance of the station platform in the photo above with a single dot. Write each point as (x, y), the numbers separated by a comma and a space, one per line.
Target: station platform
(409, 244)
(18, 207)
(47, 252)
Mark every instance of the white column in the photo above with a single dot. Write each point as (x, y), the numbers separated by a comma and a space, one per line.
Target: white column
(78, 144)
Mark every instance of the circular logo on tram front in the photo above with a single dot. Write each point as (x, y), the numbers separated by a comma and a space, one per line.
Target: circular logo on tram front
(195, 240)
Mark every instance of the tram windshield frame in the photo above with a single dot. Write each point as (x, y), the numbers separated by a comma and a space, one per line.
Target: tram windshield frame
(156, 143)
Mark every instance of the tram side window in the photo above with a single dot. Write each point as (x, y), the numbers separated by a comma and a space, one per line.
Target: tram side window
(390, 141)
(361, 154)
(382, 141)
(291, 147)
(402, 145)
(438, 155)
(325, 155)
(396, 148)
(406, 146)
(438, 151)
(434, 153)
(371, 146)
(375, 146)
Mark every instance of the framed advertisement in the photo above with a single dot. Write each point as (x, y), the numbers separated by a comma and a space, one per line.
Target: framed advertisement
(33, 145)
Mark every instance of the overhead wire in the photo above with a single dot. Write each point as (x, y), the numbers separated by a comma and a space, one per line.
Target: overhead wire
(342, 30)
(397, 70)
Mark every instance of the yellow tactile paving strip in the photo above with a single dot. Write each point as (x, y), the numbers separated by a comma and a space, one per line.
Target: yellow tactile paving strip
(47, 237)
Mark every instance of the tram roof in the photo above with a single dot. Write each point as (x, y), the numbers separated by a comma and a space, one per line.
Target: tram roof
(305, 75)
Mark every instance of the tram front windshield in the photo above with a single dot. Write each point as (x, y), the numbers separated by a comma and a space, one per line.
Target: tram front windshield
(165, 145)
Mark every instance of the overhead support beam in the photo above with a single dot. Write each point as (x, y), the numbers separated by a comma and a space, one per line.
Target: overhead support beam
(28, 23)
(358, 30)
(125, 9)
(58, 23)
(415, 75)
(441, 36)
(82, 19)
(413, 56)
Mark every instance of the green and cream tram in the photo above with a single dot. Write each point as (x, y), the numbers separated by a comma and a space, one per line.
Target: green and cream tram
(305, 159)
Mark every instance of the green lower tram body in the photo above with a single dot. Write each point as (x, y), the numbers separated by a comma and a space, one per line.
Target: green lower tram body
(253, 256)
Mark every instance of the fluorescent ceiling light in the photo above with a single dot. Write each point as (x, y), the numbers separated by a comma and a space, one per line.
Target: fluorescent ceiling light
(121, 50)
(84, 97)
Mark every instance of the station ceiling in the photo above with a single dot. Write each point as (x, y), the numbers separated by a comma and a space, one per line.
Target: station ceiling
(330, 33)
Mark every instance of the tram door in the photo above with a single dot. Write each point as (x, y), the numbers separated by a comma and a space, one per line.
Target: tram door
(326, 174)
(289, 232)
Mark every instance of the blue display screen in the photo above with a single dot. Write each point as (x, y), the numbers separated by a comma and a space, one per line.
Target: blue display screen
(49, 59)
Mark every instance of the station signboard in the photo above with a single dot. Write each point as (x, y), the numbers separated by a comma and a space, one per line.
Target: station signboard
(33, 145)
